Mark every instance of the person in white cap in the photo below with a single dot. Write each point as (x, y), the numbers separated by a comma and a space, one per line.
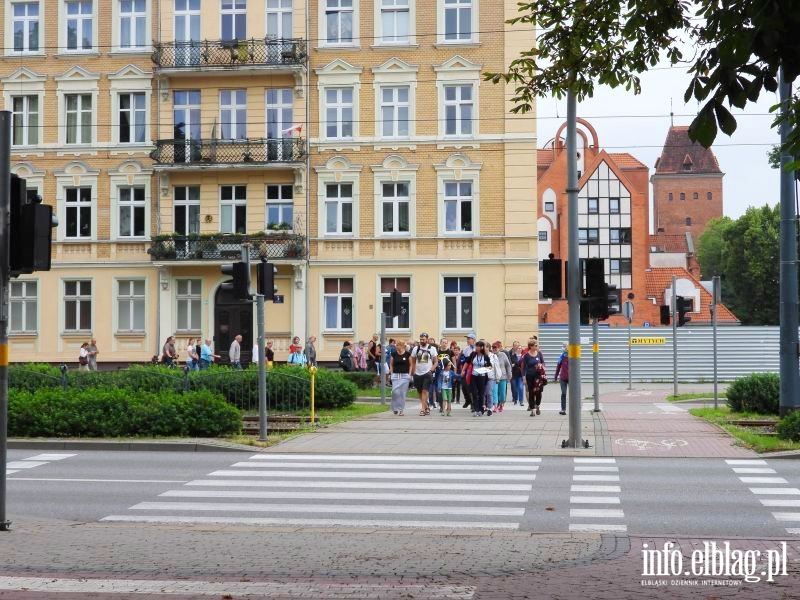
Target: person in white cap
(423, 364)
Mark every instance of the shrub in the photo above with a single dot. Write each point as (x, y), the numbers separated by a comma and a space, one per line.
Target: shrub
(759, 392)
(115, 412)
(789, 427)
(331, 390)
(33, 376)
(364, 380)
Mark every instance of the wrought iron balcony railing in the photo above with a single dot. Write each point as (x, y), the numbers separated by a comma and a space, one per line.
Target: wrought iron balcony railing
(227, 246)
(229, 54)
(229, 152)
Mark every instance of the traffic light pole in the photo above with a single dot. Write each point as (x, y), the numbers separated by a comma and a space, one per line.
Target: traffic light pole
(674, 305)
(262, 370)
(596, 364)
(5, 193)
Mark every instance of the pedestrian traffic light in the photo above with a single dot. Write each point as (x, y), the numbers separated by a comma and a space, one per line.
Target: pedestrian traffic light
(683, 306)
(30, 228)
(594, 269)
(551, 278)
(396, 304)
(664, 314)
(240, 282)
(265, 280)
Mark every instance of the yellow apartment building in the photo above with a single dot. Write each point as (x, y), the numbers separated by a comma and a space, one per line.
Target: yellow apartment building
(351, 143)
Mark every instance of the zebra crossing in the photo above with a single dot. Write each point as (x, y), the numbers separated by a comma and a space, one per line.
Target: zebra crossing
(773, 491)
(352, 490)
(14, 466)
(595, 482)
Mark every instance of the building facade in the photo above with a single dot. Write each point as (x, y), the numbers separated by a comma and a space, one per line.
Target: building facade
(353, 144)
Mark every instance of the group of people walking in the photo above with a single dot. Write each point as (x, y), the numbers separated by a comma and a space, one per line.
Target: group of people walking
(480, 373)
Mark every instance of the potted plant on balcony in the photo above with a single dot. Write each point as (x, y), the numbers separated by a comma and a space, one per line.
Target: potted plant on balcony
(296, 248)
(281, 227)
(162, 248)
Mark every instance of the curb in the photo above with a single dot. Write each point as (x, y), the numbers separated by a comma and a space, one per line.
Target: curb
(143, 446)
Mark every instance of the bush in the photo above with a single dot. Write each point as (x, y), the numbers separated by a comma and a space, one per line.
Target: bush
(364, 380)
(33, 376)
(759, 392)
(115, 412)
(789, 427)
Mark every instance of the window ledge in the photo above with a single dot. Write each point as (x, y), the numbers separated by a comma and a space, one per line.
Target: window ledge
(73, 53)
(351, 47)
(23, 334)
(130, 334)
(401, 145)
(395, 46)
(462, 44)
(458, 143)
(82, 333)
(346, 333)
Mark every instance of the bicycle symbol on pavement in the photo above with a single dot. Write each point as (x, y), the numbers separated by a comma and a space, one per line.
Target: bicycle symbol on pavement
(667, 444)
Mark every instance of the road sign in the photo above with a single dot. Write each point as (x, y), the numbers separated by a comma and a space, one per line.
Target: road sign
(627, 310)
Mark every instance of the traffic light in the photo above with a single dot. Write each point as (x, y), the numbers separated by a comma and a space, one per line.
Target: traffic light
(683, 306)
(594, 268)
(240, 283)
(613, 305)
(265, 280)
(396, 304)
(606, 305)
(30, 228)
(664, 314)
(551, 278)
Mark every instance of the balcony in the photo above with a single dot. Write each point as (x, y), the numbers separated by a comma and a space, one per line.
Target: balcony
(227, 246)
(226, 55)
(182, 154)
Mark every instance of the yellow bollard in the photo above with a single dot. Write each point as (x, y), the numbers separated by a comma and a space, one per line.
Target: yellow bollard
(313, 371)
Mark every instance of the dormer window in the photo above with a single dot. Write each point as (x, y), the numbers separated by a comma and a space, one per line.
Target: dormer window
(687, 163)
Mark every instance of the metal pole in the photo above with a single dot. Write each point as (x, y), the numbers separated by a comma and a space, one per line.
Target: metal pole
(630, 377)
(596, 363)
(674, 309)
(789, 376)
(573, 278)
(262, 370)
(5, 192)
(714, 300)
(382, 359)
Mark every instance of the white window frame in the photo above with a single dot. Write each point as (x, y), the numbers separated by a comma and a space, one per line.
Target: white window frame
(394, 73)
(280, 202)
(458, 168)
(395, 203)
(339, 202)
(28, 301)
(396, 106)
(75, 175)
(459, 104)
(26, 21)
(28, 129)
(459, 199)
(81, 297)
(395, 168)
(81, 113)
(134, 114)
(458, 5)
(395, 8)
(384, 296)
(229, 208)
(82, 18)
(129, 174)
(235, 9)
(337, 169)
(342, 9)
(278, 12)
(233, 107)
(134, 207)
(127, 302)
(339, 296)
(77, 205)
(338, 74)
(459, 296)
(140, 25)
(130, 80)
(193, 300)
(339, 106)
(187, 203)
(459, 72)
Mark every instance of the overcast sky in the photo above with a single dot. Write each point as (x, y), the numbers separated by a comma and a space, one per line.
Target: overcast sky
(639, 124)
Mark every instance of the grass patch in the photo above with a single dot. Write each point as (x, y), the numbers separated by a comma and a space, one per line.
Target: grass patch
(375, 392)
(746, 436)
(721, 395)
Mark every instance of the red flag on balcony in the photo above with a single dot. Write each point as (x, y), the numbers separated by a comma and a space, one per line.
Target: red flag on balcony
(293, 129)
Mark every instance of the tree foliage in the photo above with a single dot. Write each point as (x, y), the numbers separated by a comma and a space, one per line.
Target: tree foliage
(745, 254)
(739, 47)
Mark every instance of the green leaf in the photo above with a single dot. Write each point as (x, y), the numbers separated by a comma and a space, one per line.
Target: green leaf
(727, 123)
(704, 127)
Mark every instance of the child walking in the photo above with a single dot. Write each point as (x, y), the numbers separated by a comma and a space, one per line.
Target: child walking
(447, 378)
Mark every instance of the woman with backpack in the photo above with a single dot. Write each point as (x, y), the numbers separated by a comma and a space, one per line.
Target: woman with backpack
(562, 376)
(535, 376)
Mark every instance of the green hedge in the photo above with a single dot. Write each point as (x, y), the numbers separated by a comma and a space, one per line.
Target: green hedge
(759, 393)
(115, 412)
(789, 427)
(364, 380)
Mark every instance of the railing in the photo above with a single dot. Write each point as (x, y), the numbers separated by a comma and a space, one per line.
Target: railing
(230, 53)
(250, 151)
(228, 246)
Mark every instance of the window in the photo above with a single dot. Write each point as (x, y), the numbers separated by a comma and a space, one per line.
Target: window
(549, 206)
(280, 145)
(279, 19)
(613, 206)
(186, 123)
(394, 112)
(395, 207)
(593, 205)
(669, 196)
(78, 305)
(588, 236)
(233, 209)
(79, 24)
(280, 206)
(709, 195)
(695, 196)
(683, 196)
(458, 206)
(402, 285)
(339, 113)
(234, 19)
(339, 21)
(458, 110)
(25, 120)
(131, 211)
(458, 299)
(688, 221)
(188, 304)
(187, 209)
(23, 305)
(458, 20)
(395, 21)
(79, 118)
(620, 266)
(133, 23)
(132, 118)
(619, 235)
(130, 305)
(233, 114)
(338, 299)
(25, 24)
(339, 208)
(78, 212)
(542, 236)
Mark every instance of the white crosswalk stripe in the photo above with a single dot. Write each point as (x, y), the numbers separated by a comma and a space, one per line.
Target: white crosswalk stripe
(595, 519)
(757, 466)
(359, 491)
(15, 466)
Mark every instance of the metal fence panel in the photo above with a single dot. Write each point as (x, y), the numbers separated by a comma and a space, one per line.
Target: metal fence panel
(740, 351)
